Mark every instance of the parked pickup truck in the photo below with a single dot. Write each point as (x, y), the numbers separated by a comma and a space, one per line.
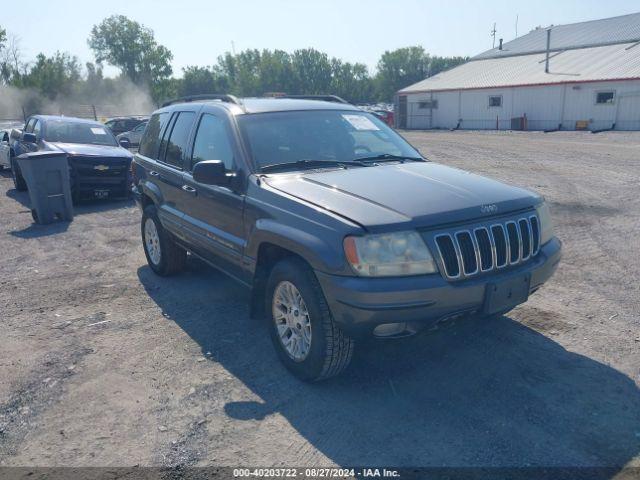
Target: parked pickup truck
(340, 228)
(98, 166)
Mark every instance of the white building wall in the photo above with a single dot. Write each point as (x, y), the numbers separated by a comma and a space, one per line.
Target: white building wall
(546, 107)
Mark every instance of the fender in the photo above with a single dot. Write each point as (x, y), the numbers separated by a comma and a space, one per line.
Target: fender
(152, 191)
(321, 255)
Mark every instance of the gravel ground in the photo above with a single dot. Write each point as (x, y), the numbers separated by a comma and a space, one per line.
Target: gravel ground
(104, 364)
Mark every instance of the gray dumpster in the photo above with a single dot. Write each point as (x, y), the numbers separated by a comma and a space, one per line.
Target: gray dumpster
(47, 177)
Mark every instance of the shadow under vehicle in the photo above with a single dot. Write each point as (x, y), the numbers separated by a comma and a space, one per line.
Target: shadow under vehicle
(474, 394)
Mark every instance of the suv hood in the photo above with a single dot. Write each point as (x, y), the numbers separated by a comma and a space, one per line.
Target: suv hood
(90, 150)
(415, 194)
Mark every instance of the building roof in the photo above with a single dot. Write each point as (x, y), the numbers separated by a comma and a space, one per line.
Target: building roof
(613, 62)
(598, 50)
(607, 31)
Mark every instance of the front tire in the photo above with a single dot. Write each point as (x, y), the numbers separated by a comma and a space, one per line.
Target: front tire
(303, 332)
(18, 179)
(164, 256)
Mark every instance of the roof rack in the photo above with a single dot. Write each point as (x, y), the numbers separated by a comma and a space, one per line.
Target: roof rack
(325, 98)
(223, 97)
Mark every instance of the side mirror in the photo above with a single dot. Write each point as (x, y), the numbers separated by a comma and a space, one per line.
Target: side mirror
(29, 138)
(124, 142)
(211, 172)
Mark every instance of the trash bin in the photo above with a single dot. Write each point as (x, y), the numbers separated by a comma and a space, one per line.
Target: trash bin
(47, 177)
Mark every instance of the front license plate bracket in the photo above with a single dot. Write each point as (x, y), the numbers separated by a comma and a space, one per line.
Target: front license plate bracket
(502, 296)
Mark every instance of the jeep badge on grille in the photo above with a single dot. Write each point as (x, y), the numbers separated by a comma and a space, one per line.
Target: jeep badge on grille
(490, 208)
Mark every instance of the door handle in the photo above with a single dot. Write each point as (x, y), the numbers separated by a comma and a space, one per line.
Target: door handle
(153, 173)
(189, 189)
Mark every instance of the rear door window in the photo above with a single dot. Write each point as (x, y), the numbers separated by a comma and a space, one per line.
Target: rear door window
(150, 142)
(177, 144)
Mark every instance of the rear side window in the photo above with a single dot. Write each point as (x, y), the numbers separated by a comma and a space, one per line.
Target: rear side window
(150, 142)
(177, 145)
(212, 142)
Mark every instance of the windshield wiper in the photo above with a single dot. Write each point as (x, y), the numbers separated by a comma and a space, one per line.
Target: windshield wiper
(387, 157)
(306, 163)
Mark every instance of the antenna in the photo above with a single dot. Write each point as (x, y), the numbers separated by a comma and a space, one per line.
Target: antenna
(516, 25)
(493, 34)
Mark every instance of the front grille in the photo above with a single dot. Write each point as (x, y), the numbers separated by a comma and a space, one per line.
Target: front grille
(468, 252)
(99, 167)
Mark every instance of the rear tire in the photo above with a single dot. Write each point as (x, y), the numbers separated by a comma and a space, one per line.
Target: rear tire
(18, 179)
(329, 349)
(164, 256)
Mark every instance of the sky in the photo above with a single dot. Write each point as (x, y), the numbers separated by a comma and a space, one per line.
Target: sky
(198, 31)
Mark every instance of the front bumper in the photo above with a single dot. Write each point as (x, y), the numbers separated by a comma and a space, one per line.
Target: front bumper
(360, 304)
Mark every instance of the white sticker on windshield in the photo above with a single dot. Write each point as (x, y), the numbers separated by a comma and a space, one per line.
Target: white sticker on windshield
(360, 122)
(98, 131)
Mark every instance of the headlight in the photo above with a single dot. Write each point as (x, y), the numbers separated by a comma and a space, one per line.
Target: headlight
(546, 225)
(389, 254)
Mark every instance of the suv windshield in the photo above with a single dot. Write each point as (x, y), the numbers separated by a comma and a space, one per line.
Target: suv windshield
(298, 137)
(68, 132)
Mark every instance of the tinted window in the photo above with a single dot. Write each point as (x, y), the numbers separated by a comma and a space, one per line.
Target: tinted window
(150, 142)
(37, 128)
(212, 142)
(5, 137)
(177, 144)
(86, 133)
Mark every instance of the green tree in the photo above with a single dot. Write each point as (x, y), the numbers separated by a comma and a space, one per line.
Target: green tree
(3, 38)
(399, 68)
(130, 46)
(405, 66)
(311, 72)
(276, 72)
(52, 76)
(351, 81)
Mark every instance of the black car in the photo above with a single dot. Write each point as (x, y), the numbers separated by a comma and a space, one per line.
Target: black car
(120, 125)
(98, 166)
(340, 228)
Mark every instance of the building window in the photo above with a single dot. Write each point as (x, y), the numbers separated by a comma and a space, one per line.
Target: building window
(604, 98)
(495, 100)
(428, 104)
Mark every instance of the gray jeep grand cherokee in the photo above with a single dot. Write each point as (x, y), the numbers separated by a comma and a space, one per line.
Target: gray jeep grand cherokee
(339, 226)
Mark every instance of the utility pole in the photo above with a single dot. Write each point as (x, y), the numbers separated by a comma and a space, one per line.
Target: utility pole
(516, 26)
(233, 48)
(493, 34)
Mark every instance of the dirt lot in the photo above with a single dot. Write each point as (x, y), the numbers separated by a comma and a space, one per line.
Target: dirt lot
(103, 363)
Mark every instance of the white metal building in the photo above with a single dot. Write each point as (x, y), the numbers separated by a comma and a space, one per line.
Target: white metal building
(592, 81)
